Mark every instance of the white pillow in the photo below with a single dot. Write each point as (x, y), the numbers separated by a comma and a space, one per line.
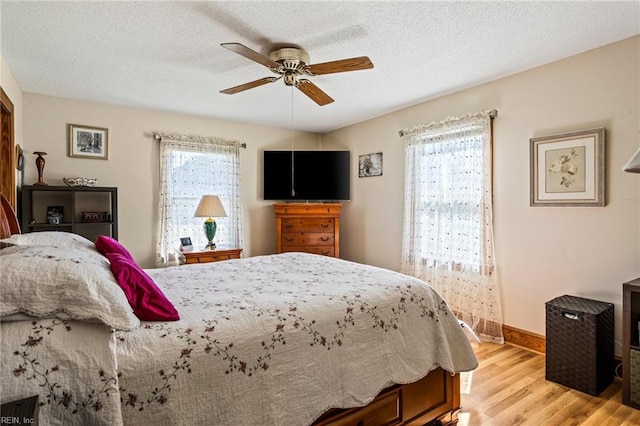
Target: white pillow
(48, 238)
(47, 281)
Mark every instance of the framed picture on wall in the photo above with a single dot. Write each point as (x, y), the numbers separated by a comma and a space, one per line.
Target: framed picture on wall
(568, 169)
(370, 165)
(88, 142)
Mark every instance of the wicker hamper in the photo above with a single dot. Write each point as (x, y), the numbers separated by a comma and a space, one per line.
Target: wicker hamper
(579, 339)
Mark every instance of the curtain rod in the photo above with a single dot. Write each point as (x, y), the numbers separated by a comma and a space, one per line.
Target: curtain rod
(158, 136)
(492, 114)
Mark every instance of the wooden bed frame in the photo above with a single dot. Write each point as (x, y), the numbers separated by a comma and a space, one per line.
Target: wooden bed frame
(433, 400)
(8, 221)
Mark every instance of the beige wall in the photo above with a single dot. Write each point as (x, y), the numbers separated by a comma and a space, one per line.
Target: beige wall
(133, 164)
(541, 252)
(11, 88)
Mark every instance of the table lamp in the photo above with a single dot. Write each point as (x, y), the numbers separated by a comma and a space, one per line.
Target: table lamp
(210, 207)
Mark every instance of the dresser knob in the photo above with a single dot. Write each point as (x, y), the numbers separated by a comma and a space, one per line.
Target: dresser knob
(289, 239)
(324, 238)
(288, 225)
(324, 225)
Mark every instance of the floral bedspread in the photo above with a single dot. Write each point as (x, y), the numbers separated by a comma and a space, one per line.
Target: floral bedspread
(69, 364)
(280, 339)
(269, 340)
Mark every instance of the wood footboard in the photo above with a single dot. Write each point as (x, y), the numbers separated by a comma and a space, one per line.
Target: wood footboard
(435, 397)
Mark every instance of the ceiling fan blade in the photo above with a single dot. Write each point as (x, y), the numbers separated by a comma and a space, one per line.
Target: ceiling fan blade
(314, 92)
(250, 54)
(250, 85)
(343, 65)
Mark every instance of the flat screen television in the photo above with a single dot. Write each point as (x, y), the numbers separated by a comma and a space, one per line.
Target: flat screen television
(316, 176)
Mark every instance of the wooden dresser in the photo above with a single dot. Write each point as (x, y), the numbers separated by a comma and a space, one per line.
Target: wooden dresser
(310, 228)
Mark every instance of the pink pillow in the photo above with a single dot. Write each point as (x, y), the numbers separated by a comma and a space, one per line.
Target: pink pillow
(144, 296)
(106, 245)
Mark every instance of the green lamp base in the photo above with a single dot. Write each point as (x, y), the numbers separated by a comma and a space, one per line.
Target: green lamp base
(210, 227)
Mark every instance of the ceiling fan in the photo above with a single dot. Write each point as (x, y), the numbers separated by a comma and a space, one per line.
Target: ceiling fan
(290, 63)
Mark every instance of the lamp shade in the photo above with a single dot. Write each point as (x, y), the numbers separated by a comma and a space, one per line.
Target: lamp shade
(633, 165)
(210, 206)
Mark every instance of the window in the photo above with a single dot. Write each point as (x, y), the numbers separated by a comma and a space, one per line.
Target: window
(448, 219)
(451, 196)
(189, 169)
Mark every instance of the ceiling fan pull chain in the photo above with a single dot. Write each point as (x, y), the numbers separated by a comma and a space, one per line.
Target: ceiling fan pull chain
(293, 190)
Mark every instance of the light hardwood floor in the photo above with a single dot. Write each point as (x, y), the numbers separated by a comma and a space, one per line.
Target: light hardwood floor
(509, 388)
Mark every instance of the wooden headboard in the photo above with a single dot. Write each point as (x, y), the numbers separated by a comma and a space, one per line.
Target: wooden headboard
(8, 220)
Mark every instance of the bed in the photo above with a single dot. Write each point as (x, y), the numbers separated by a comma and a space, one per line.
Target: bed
(287, 339)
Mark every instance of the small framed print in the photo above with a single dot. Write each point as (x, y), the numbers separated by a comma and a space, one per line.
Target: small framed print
(370, 165)
(185, 244)
(88, 142)
(568, 169)
(19, 159)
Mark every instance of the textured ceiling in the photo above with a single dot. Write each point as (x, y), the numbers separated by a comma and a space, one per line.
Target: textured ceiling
(167, 55)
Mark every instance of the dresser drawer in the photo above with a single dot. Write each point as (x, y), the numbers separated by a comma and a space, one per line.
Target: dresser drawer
(211, 256)
(308, 225)
(308, 210)
(323, 250)
(310, 239)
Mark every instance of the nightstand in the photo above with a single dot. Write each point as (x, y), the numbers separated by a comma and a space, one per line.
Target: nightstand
(211, 255)
(24, 411)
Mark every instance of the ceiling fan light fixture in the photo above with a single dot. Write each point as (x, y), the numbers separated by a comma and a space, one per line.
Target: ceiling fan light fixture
(291, 58)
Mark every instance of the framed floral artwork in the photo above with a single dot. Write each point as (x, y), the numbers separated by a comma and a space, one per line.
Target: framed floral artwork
(568, 169)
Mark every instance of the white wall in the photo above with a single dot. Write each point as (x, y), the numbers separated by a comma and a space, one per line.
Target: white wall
(133, 164)
(541, 252)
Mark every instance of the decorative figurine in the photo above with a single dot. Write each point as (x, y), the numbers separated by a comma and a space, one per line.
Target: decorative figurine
(40, 165)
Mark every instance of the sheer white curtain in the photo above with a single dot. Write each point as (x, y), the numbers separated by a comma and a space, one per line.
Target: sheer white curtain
(448, 218)
(191, 167)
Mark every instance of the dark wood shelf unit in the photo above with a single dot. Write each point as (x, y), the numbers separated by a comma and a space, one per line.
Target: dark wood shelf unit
(75, 200)
(630, 347)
